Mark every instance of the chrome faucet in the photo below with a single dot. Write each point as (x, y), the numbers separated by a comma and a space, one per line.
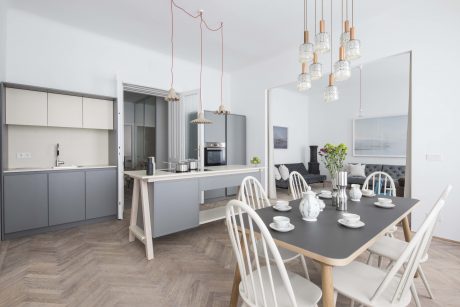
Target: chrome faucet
(58, 162)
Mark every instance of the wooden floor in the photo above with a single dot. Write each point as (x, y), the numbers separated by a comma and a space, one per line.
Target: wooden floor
(96, 266)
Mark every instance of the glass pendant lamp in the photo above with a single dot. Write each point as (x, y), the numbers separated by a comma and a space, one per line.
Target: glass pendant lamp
(307, 48)
(322, 40)
(353, 47)
(331, 93)
(342, 69)
(345, 36)
(316, 69)
(304, 79)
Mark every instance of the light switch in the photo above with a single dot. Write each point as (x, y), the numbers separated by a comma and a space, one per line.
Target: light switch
(434, 157)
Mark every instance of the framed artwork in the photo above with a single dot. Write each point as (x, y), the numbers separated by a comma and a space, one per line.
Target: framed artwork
(280, 137)
(380, 136)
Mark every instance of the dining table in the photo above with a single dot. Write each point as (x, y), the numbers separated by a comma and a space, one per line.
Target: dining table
(331, 244)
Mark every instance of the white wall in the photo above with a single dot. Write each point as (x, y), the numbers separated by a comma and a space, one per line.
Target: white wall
(3, 24)
(385, 92)
(46, 53)
(85, 147)
(402, 26)
(290, 109)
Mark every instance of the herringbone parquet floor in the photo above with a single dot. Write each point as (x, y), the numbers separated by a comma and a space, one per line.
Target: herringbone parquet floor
(96, 266)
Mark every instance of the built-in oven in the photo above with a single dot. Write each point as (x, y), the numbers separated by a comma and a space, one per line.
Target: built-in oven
(214, 154)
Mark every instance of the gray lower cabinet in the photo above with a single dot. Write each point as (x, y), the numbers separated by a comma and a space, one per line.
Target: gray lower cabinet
(66, 197)
(25, 202)
(175, 206)
(101, 193)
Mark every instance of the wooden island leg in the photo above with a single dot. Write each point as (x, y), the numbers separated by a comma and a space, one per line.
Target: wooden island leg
(327, 285)
(235, 287)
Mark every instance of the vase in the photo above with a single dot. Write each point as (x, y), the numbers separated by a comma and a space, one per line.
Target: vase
(334, 176)
(355, 192)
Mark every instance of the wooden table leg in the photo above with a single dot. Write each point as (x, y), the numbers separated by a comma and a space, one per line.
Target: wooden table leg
(134, 207)
(406, 229)
(327, 285)
(147, 221)
(235, 287)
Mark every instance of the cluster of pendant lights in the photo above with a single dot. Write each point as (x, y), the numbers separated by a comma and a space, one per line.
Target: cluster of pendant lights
(308, 52)
(172, 95)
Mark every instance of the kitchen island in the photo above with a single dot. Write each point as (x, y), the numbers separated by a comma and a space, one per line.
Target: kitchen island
(173, 199)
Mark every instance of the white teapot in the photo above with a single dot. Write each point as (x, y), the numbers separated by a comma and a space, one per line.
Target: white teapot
(309, 206)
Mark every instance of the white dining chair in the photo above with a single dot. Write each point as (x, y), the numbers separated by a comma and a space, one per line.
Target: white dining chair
(371, 286)
(253, 194)
(385, 184)
(392, 248)
(297, 185)
(263, 283)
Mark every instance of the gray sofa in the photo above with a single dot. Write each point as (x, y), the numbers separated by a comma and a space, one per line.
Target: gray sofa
(397, 172)
(299, 167)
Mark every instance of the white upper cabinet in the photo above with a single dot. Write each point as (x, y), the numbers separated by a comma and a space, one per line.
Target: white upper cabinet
(97, 113)
(25, 107)
(65, 111)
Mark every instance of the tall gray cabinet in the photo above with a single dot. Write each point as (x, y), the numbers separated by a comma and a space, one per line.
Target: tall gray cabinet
(230, 129)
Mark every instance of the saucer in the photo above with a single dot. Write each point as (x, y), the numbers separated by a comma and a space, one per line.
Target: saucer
(369, 195)
(357, 224)
(287, 208)
(289, 228)
(325, 196)
(381, 205)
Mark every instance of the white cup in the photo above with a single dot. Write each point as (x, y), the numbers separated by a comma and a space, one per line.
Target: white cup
(385, 201)
(351, 217)
(281, 221)
(326, 192)
(282, 204)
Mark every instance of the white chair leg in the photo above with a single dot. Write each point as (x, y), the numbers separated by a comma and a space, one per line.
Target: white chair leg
(425, 282)
(304, 265)
(415, 295)
(335, 297)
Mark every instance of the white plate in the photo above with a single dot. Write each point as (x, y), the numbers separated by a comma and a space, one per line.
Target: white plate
(325, 196)
(357, 224)
(273, 226)
(282, 209)
(382, 205)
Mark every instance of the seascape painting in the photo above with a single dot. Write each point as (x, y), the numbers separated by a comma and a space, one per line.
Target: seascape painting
(280, 137)
(380, 136)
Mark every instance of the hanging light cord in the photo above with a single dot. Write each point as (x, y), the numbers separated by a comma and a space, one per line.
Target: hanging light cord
(343, 25)
(353, 13)
(305, 15)
(202, 22)
(315, 18)
(322, 9)
(331, 35)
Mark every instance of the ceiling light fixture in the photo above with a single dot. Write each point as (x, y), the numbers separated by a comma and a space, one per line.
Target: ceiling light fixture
(342, 69)
(223, 110)
(307, 48)
(353, 48)
(322, 40)
(304, 79)
(316, 69)
(331, 93)
(345, 36)
(200, 118)
(172, 95)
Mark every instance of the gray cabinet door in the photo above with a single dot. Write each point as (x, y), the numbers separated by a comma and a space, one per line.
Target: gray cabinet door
(66, 197)
(101, 193)
(175, 206)
(216, 131)
(236, 144)
(25, 201)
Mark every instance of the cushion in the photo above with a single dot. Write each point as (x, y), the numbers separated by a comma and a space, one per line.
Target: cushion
(284, 172)
(276, 172)
(357, 170)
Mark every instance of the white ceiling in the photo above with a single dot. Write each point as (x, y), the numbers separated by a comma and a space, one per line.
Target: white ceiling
(254, 30)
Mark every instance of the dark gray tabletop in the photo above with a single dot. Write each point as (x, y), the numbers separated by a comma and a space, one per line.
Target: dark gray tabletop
(328, 241)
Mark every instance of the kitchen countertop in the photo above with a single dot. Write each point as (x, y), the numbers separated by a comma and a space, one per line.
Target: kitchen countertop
(49, 169)
(161, 175)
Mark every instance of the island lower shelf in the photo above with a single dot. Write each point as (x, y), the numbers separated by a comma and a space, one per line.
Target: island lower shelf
(175, 204)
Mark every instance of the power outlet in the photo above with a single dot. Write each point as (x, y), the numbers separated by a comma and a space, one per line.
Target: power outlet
(23, 155)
